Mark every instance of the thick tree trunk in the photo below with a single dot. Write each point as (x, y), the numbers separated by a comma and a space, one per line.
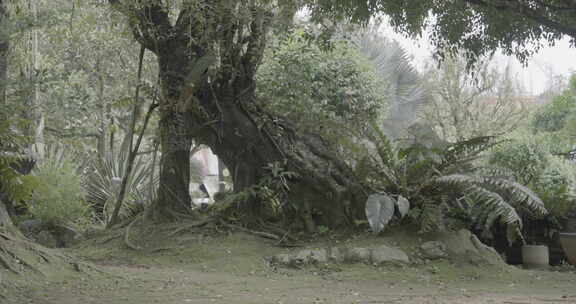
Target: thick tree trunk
(248, 140)
(225, 116)
(175, 140)
(214, 103)
(175, 145)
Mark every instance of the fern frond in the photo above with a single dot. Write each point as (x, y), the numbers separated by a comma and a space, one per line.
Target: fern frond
(464, 152)
(494, 205)
(516, 192)
(384, 147)
(519, 194)
(489, 202)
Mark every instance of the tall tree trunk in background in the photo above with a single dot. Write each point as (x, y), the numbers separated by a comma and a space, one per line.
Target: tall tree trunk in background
(214, 102)
(36, 131)
(4, 48)
(104, 119)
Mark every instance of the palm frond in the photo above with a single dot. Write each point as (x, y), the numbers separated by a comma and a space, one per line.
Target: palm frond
(406, 93)
(102, 186)
(58, 155)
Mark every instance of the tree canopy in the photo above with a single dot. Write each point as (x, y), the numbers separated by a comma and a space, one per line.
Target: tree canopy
(518, 27)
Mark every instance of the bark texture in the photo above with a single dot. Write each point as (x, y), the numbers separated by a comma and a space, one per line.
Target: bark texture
(4, 47)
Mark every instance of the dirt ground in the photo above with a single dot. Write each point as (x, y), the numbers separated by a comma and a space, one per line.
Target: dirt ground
(231, 267)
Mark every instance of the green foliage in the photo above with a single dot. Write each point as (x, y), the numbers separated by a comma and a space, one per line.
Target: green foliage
(402, 86)
(558, 114)
(268, 196)
(525, 156)
(102, 183)
(557, 186)
(517, 27)
(58, 197)
(381, 208)
(12, 184)
(318, 90)
(472, 103)
(530, 160)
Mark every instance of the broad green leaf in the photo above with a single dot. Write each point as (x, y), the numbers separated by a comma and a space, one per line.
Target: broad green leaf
(403, 205)
(379, 211)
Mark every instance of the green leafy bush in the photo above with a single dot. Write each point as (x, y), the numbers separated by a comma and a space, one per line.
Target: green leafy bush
(58, 198)
(317, 89)
(556, 186)
(525, 156)
(531, 162)
(554, 115)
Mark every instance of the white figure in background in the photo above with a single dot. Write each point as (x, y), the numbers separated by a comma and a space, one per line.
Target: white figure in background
(204, 173)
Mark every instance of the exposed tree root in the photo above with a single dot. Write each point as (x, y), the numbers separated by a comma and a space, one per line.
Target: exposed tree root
(257, 233)
(195, 224)
(127, 235)
(19, 255)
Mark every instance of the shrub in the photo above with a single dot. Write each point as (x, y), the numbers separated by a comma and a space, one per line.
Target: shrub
(556, 186)
(555, 115)
(58, 197)
(525, 156)
(531, 162)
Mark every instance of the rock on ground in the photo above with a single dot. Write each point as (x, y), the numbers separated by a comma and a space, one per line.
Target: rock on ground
(385, 254)
(464, 246)
(433, 250)
(378, 255)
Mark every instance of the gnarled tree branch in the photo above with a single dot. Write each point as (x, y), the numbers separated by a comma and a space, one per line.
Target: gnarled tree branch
(149, 22)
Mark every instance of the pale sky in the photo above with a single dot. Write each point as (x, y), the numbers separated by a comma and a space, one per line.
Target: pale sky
(557, 60)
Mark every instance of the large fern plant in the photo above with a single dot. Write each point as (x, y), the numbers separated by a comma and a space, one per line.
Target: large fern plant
(436, 181)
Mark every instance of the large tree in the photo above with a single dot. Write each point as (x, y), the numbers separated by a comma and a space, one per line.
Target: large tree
(465, 105)
(208, 54)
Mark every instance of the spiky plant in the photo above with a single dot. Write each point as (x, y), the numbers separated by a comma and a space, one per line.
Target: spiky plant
(102, 183)
(405, 92)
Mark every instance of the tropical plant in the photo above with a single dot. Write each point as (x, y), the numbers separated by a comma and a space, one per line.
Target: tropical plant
(436, 181)
(380, 208)
(102, 183)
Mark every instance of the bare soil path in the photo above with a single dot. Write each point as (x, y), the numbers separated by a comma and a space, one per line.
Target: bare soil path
(231, 269)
